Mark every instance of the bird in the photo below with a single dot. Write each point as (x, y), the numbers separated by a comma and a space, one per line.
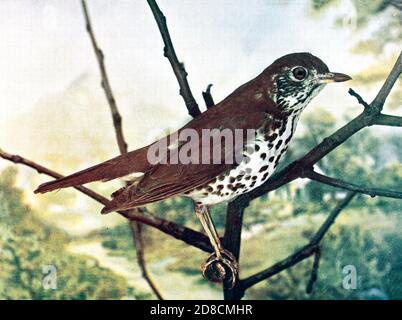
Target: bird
(269, 106)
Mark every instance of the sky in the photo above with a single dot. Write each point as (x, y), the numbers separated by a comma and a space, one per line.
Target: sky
(50, 97)
(44, 46)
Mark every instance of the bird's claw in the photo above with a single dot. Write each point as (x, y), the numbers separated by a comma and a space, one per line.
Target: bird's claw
(220, 269)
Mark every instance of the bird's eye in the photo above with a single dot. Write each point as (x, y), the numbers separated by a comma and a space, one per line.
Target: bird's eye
(299, 73)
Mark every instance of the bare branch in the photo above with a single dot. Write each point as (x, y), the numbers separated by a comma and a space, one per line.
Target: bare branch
(43, 170)
(178, 67)
(314, 271)
(121, 142)
(117, 120)
(139, 245)
(302, 253)
(232, 239)
(358, 98)
(382, 95)
(388, 120)
(187, 235)
(208, 99)
(311, 174)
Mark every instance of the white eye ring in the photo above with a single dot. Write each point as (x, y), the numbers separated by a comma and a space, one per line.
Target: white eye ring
(298, 73)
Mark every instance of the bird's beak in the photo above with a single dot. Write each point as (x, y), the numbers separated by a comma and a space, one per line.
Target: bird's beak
(333, 77)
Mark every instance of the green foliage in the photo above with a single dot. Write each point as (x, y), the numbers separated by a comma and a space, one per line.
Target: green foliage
(28, 246)
(375, 253)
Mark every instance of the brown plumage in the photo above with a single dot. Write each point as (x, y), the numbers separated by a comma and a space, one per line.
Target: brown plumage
(270, 104)
(246, 108)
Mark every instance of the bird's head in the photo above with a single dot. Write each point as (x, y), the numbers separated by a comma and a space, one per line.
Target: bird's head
(297, 78)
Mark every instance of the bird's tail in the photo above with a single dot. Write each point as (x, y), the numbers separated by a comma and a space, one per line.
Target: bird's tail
(134, 161)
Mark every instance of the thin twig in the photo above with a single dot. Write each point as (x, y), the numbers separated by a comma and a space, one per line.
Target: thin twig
(388, 120)
(208, 99)
(117, 120)
(358, 98)
(178, 67)
(187, 235)
(139, 245)
(314, 271)
(121, 142)
(379, 100)
(372, 192)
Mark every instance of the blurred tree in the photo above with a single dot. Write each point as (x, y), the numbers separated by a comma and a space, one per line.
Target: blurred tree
(28, 247)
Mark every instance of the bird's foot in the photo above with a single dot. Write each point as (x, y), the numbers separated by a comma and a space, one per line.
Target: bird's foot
(221, 267)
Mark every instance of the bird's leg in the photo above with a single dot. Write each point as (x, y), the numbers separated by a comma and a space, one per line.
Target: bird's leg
(222, 261)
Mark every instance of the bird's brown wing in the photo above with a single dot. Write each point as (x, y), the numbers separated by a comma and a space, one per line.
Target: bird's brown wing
(134, 161)
(166, 180)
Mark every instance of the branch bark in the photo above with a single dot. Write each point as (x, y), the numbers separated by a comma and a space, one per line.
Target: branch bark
(178, 67)
(121, 143)
(208, 99)
(372, 192)
(300, 254)
(187, 235)
(232, 239)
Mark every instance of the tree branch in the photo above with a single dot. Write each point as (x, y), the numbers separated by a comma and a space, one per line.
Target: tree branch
(314, 271)
(372, 192)
(232, 239)
(378, 103)
(121, 143)
(358, 98)
(187, 235)
(300, 254)
(117, 120)
(178, 67)
(208, 99)
(388, 120)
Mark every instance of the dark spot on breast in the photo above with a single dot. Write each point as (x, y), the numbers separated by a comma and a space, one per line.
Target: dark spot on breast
(263, 155)
(252, 184)
(221, 178)
(239, 177)
(265, 176)
(278, 144)
(257, 147)
(271, 159)
(210, 189)
(247, 178)
(263, 169)
(230, 186)
(232, 179)
(283, 127)
(270, 145)
(219, 186)
(254, 178)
